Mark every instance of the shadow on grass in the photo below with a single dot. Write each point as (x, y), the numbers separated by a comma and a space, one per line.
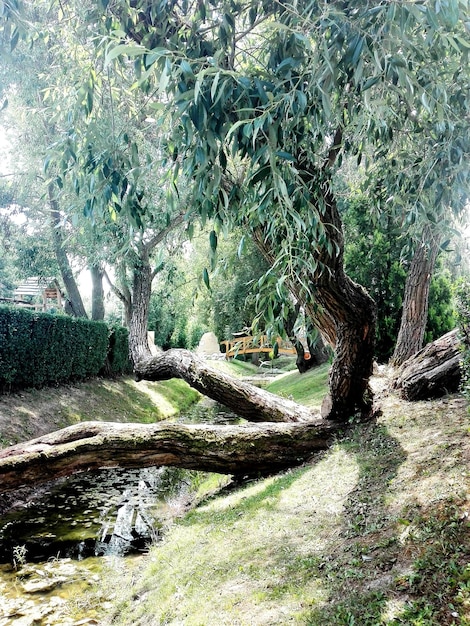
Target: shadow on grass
(369, 576)
(386, 569)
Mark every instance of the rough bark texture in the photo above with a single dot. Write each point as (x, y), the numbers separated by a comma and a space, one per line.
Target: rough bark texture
(248, 401)
(416, 300)
(433, 371)
(97, 293)
(239, 450)
(75, 304)
(342, 311)
(141, 290)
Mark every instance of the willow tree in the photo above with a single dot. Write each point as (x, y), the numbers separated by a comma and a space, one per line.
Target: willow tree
(260, 103)
(264, 102)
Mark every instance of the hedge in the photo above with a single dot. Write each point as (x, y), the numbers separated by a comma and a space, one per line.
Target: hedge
(37, 349)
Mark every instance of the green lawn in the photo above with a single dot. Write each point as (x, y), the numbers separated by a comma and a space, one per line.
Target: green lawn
(308, 388)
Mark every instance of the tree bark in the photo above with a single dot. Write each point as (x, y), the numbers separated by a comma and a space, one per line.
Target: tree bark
(75, 303)
(141, 290)
(239, 450)
(339, 308)
(248, 401)
(431, 372)
(97, 293)
(416, 300)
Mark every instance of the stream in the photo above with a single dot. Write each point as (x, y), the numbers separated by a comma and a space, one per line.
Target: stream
(52, 547)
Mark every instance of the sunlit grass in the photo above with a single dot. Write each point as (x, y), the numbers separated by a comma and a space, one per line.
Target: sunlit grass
(234, 367)
(356, 537)
(308, 388)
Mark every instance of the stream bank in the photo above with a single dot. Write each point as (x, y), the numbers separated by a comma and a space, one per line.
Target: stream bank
(59, 544)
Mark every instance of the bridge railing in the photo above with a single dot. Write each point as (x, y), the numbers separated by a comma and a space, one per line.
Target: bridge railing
(250, 345)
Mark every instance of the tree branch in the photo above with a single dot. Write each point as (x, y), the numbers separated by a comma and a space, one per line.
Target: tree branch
(248, 401)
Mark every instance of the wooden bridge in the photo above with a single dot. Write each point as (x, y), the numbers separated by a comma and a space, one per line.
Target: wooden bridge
(250, 345)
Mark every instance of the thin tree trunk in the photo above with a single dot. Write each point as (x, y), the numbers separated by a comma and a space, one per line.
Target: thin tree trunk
(416, 300)
(138, 326)
(75, 303)
(97, 293)
(87, 446)
(248, 401)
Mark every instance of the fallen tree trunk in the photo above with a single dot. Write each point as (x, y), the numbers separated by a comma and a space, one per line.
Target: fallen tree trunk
(241, 450)
(248, 401)
(431, 372)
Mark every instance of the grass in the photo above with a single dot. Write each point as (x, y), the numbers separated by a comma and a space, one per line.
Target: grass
(308, 388)
(374, 531)
(235, 367)
(31, 413)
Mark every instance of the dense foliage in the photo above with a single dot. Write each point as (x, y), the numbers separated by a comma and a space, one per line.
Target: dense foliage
(41, 348)
(373, 258)
(249, 112)
(463, 307)
(118, 361)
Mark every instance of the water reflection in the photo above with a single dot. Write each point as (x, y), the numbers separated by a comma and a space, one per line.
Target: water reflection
(110, 512)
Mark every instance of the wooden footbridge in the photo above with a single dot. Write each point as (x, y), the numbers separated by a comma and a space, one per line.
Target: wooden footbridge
(251, 345)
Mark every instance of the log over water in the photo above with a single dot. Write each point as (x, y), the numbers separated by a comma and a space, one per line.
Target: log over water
(240, 450)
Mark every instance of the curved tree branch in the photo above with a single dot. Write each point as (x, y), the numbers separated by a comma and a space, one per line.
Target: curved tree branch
(248, 401)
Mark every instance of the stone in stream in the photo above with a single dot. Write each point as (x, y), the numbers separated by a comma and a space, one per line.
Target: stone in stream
(42, 585)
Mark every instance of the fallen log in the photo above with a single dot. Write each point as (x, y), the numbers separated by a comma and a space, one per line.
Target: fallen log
(246, 400)
(240, 450)
(433, 371)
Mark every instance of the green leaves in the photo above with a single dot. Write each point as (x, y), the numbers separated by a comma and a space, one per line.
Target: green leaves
(205, 278)
(124, 49)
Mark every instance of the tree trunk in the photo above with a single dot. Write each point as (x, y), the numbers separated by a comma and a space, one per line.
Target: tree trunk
(138, 326)
(433, 371)
(75, 304)
(239, 450)
(316, 347)
(97, 293)
(248, 401)
(416, 300)
(342, 310)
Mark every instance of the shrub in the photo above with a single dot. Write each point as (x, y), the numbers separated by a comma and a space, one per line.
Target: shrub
(118, 361)
(40, 348)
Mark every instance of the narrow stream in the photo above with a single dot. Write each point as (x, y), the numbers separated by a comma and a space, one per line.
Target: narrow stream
(110, 513)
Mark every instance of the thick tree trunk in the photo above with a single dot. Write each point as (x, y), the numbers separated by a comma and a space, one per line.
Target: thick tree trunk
(97, 293)
(248, 401)
(433, 371)
(415, 303)
(240, 450)
(75, 304)
(339, 308)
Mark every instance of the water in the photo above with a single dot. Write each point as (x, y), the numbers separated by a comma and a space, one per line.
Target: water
(109, 512)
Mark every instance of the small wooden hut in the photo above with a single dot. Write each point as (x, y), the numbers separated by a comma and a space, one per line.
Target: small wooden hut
(40, 294)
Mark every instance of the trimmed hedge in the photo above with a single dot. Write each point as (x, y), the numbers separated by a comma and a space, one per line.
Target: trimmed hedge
(118, 361)
(37, 349)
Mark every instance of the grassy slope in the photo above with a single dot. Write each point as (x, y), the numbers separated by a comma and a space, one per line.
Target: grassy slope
(34, 412)
(373, 531)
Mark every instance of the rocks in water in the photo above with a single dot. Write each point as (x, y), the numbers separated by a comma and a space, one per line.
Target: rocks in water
(41, 585)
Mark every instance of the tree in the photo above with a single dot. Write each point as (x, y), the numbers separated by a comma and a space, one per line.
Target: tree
(258, 105)
(136, 295)
(375, 257)
(262, 129)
